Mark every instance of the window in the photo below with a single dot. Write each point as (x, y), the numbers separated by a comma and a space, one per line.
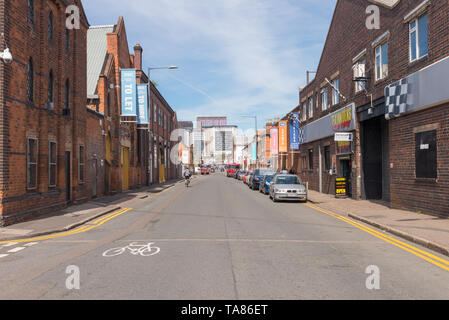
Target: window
(31, 11)
(310, 159)
(335, 93)
(52, 160)
(381, 53)
(81, 164)
(324, 99)
(108, 97)
(50, 87)
(30, 81)
(67, 94)
(50, 26)
(359, 72)
(155, 113)
(304, 163)
(426, 155)
(418, 37)
(311, 107)
(32, 156)
(304, 111)
(327, 158)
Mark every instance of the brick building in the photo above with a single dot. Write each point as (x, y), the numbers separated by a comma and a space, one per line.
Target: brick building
(163, 122)
(42, 109)
(391, 110)
(125, 157)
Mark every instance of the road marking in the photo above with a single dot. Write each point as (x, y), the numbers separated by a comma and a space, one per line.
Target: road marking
(3, 255)
(259, 241)
(145, 250)
(16, 249)
(10, 244)
(427, 256)
(31, 244)
(82, 229)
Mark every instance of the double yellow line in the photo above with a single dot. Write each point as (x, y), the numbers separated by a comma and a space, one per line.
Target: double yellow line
(442, 263)
(79, 230)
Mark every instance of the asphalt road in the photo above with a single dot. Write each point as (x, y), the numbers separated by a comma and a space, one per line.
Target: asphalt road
(219, 240)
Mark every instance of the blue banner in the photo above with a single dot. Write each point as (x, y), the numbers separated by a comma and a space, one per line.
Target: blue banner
(129, 93)
(254, 151)
(142, 103)
(294, 132)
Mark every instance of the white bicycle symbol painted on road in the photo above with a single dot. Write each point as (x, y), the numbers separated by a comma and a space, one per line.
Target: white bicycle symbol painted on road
(145, 250)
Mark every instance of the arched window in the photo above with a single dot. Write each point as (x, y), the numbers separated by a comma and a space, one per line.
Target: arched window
(50, 87)
(31, 12)
(50, 26)
(67, 94)
(30, 81)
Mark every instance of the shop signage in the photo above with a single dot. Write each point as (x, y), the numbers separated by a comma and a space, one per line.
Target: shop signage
(274, 141)
(283, 148)
(344, 136)
(343, 147)
(341, 188)
(294, 132)
(142, 101)
(129, 93)
(342, 120)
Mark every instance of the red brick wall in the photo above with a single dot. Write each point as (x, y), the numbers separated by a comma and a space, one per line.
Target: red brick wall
(95, 154)
(21, 119)
(407, 192)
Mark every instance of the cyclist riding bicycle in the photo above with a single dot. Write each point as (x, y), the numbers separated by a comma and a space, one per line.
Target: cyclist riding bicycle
(187, 175)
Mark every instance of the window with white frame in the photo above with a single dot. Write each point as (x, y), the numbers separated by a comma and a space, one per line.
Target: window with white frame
(381, 56)
(418, 38)
(311, 107)
(304, 111)
(81, 164)
(335, 93)
(32, 159)
(359, 72)
(155, 113)
(52, 164)
(324, 99)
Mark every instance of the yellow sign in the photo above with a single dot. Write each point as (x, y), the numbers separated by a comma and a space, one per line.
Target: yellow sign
(342, 119)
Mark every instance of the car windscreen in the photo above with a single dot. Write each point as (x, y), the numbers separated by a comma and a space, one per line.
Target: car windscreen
(234, 167)
(288, 180)
(269, 177)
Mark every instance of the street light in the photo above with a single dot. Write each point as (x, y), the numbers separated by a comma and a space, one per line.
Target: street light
(149, 131)
(257, 138)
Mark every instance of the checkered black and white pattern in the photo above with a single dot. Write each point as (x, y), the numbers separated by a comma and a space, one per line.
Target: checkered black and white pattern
(397, 97)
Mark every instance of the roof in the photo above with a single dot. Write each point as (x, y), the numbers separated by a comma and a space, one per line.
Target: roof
(97, 48)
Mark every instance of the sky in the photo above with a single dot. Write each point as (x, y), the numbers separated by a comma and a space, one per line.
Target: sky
(235, 57)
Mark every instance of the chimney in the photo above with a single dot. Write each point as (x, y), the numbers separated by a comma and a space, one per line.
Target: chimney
(138, 57)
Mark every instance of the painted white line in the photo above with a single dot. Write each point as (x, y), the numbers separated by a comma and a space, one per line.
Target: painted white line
(31, 244)
(3, 255)
(10, 244)
(16, 249)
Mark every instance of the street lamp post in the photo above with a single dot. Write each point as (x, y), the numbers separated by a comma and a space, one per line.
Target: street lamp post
(257, 138)
(150, 165)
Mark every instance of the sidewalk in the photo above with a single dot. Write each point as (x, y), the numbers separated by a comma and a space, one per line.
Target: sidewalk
(77, 215)
(428, 231)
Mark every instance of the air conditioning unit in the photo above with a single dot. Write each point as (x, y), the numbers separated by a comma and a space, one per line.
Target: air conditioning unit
(50, 106)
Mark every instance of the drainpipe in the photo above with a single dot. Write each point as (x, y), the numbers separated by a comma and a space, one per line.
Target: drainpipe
(320, 173)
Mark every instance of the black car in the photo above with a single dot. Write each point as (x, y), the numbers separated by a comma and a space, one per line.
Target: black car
(257, 177)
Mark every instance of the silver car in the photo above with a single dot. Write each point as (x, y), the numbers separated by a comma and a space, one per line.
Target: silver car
(287, 187)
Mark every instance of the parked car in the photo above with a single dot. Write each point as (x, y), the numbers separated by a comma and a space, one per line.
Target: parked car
(249, 177)
(264, 185)
(241, 174)
(232, 168)
(287, 187)
(246, 177)
(205, 170)
(197, 170)
(257, 177)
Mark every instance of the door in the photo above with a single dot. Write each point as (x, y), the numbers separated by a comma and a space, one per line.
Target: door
(67, 176)
(345, 172)
(125, 169)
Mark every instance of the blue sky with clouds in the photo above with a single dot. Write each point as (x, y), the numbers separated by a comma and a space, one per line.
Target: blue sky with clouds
(236, 57)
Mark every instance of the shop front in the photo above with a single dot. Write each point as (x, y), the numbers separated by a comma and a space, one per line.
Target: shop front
(328, 153)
